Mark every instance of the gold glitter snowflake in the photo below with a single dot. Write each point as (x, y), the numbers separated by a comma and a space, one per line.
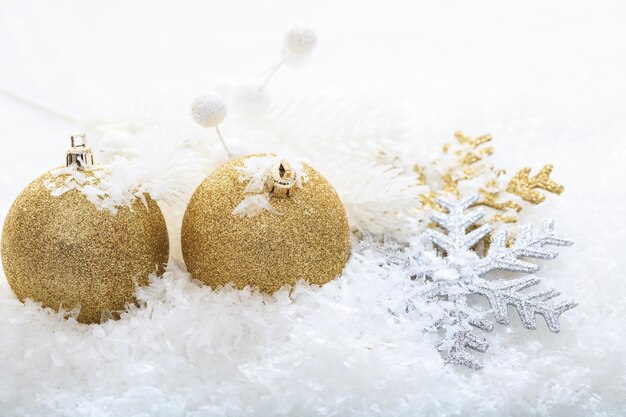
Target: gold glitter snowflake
(464, 169)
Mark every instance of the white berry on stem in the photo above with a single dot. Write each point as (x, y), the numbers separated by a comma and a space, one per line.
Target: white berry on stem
(208, 110)
(300, 40)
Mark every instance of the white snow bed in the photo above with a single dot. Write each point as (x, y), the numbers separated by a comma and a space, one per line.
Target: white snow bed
(545, 79)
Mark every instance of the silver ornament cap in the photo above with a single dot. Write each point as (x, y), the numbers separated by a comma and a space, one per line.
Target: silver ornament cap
(79, 153)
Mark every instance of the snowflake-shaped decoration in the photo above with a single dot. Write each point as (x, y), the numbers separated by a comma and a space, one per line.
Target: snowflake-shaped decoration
(468, 278)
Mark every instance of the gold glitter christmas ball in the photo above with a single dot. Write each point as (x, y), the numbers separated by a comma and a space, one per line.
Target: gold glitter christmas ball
(302, 234)
(63, 251)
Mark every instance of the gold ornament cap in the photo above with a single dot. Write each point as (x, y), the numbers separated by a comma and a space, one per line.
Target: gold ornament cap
(281, 180)
(79, 153)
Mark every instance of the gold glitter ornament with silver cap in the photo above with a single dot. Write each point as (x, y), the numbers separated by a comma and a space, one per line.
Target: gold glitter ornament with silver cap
(61, 249)
(287, 223)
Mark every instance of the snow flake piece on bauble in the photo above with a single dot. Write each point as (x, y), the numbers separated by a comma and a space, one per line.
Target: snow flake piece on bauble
(256, 171)
(256, 222)
(97, 184)
(452, 290)
(254, 204)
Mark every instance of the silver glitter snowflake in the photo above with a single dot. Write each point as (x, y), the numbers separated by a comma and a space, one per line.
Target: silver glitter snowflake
(466, 272)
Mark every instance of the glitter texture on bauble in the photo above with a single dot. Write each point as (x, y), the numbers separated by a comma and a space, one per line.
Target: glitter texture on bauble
(297, 235)
(64, 251)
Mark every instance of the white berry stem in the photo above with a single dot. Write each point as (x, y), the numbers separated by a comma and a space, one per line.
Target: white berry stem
(219, 134)
(273, 72)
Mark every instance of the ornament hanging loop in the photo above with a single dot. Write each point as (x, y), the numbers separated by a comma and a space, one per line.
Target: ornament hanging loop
(281, 180)
(79, 153)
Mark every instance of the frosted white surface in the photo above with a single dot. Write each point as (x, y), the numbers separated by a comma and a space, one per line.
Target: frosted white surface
(545, 78)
